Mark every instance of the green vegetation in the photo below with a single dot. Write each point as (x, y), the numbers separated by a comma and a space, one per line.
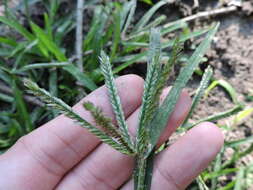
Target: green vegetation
(42, 50)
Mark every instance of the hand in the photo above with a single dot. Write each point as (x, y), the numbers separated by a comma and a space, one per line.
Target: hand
(60, 155)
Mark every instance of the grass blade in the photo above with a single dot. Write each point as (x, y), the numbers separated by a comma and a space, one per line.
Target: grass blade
(81, 77)
(200, 91)
(160, 120)
(146, 17)
(218, 116)
(42, 66)
(231, 91)
(18, 27)
(129, 17)
(239, 185)
(23, 114)
(51, 46)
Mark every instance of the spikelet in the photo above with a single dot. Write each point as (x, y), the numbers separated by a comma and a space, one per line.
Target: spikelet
(61, 106)
(114, 98)
(106, 124)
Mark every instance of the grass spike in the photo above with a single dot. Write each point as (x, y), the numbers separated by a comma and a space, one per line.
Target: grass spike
(115, 99)
(161, 116)
(105, 123)
(58, 104)
(153, 66)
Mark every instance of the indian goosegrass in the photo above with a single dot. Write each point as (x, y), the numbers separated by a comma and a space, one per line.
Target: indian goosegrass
(153, 117)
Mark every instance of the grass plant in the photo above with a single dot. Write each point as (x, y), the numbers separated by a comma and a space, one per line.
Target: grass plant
(152, 119)
(40, 50)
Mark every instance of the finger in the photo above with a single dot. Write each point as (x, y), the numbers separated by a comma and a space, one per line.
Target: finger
(106, 168)
(50, 151)
(178, 165)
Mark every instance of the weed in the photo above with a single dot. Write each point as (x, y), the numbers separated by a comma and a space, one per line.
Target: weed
(152, 119)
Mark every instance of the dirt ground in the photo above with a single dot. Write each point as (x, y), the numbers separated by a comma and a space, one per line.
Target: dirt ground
(231, 55)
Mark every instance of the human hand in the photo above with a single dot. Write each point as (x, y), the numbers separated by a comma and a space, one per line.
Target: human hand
(60, 155)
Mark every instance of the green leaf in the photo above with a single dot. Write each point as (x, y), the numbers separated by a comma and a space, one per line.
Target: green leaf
(129, 10)
(231, 91)
(6, 98)
(147, 16)
(116, 35)
(239, 182)
(18, 27)
(161, 117)
(48, 43)
(218, 116)
(237, 143)
(147, 1)
(81, 77)
(200, 91)
(42, 66)
(23, 113)
(243, 115)
(219, 173)
(8, 41)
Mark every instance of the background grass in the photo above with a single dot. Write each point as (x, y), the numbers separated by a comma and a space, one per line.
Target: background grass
(41, 48)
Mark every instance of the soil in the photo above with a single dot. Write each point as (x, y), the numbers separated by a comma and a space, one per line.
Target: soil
(231, 57)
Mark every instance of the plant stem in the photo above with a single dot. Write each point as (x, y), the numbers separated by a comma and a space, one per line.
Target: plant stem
(204, 14)
(79, 33)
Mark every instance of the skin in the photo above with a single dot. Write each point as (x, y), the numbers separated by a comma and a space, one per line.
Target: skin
(61, 155)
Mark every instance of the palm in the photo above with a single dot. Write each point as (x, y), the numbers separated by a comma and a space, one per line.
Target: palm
(60, 155)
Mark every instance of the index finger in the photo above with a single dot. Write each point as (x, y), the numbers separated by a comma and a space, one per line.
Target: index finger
(50, 151)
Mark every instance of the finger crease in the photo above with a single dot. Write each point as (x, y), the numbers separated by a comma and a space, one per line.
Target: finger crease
(67, 144)
(100, 180)
(36, 157)
(168, 178)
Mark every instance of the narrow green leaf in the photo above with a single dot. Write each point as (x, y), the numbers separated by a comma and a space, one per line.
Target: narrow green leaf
(237, 143)
(147, 16)
(51, 46)
(161, 117)
(18, 27)
(23, 113)
(129, 17)
(239, 185)
(8, 41)
(200, 91)
(152, 24)
(6, 98)
(42, 66)
(220, 173)
(176, 26)
(81, 77)
(231, 91)
(218, 116)
(116, 35)
(228, 186)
